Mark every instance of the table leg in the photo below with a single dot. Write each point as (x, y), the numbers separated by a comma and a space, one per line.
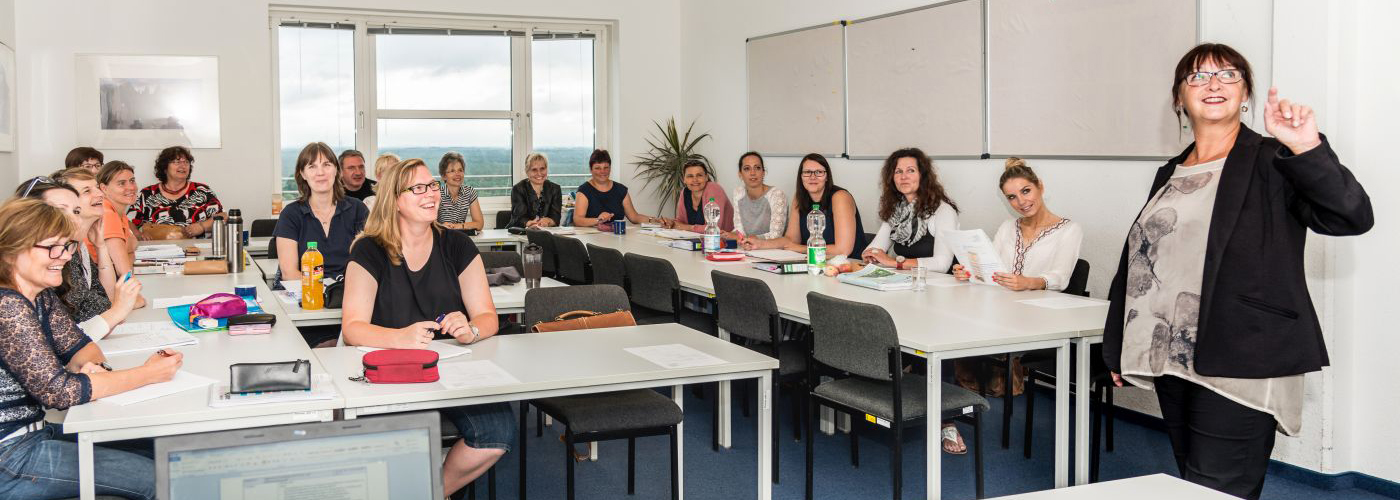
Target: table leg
(933, 443)
(725, 420)
(1062, 414)
(1081, 412)
(765, 438)
(678, 395)
(87, 489)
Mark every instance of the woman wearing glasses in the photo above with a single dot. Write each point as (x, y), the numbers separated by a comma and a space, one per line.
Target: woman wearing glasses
(176, 200)
(535, 201)
(601, 199)
(410, 280)
(118, 183)
(760, 210)
(844, 233)
(457, 209)
(1210, 305)
(85, 157)
(47, 362)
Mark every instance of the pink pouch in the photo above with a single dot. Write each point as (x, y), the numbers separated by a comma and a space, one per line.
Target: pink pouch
(219, 306)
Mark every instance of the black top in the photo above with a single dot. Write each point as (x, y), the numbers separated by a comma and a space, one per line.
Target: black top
(829, 233)
(405, 296)
(36, 340)
(921, 248)
(1256, 318)
(601, 201)
(692, 212)
(297, 222)
(525, 206)
(366, 190)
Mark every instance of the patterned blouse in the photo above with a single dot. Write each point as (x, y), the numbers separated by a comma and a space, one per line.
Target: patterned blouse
(198, 203)
(459, 212)
(81, 290)
(36, 340)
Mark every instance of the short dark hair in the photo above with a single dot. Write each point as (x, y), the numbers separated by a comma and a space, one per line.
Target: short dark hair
(448, 159)
(748, 154)
(1221, 54)
(348, 153)
(309, 154)
(171, 154)
(80, 154)
(599, 156)
(110, 170)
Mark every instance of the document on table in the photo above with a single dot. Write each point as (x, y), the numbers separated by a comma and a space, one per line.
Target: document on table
(777, 255)
(478, 373)
(162, 251)
(976, 253)
(321, 388)
(165, 302)
(674, 356)
(678, 234)
(445, 350)
(144, 336)
(183, 381)
(1066, 302)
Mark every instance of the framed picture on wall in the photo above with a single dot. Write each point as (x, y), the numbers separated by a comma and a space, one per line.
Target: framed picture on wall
(7, 98)
(147, 102)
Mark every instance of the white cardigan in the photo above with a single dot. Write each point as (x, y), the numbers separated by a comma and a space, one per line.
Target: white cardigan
(777, 211)
(943, 219)
(1052, 258)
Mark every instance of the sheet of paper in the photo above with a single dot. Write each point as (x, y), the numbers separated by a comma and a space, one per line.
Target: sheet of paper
(183, 381)
(145, 336)
(1066, 302)
(164, 302)
(445, 350)
(162, 251)
(777, 255)
(478, 373)
(321, 388)
(674, 356)
(976, 253)
(678, 234)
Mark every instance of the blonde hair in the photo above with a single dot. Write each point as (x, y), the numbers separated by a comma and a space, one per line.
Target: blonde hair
(383, 162)
(1016, 168)
(534, 157)
(73, 174)
(383, 223)
(24, 222)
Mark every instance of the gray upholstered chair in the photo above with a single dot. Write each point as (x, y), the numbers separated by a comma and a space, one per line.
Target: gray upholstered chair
(549, 264)
(604, 416)
(262, 227)
(857, 343)
(573, 261)
(608, 268)
(654, 286)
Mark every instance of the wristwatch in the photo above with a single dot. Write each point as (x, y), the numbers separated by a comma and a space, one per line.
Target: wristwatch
(899, 262)
(476, 334)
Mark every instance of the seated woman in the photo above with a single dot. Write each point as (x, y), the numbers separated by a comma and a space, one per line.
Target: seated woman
(457, 209)
(699, 189)
(322, 214)
(843, 231)
(381, 165)
(118, 183)
(913, 208)
(760, 210)
(601, 200)
(535, 201)
(176, 200)
(1040, 247)
(47, 362)
(85, 157)
(405, 272)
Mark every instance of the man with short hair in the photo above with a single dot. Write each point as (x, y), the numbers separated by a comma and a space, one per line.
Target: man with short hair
(352, 174)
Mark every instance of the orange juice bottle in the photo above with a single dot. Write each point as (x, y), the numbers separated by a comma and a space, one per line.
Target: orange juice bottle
(312, 270)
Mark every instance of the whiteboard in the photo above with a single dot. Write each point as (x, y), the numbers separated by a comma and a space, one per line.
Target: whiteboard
(915, 79)
(1086, 78)
(797, 92)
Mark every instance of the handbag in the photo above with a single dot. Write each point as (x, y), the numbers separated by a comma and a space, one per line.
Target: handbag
(399, 366)
(244, 378)
(585, 320)
(162, 232)
(334, 293)
(219, 306)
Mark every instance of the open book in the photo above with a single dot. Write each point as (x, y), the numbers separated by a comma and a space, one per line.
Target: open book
(976, 253)
(877, 278)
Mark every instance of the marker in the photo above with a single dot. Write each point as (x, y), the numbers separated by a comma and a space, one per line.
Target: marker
(128, 276)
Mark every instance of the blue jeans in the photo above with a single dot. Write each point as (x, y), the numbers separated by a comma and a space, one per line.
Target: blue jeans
(491, 425)
(41, 465)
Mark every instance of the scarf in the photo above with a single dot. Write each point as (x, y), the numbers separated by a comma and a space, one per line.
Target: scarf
(905, 231)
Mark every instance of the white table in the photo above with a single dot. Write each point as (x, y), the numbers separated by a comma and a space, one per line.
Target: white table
(189, 412)
(940, 323)
(1153, 487)
(569, 363)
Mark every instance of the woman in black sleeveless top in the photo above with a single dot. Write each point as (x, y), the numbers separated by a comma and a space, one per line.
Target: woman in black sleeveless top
(843, 231)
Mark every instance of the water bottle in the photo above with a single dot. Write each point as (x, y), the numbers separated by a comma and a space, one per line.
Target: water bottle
(816, 245)
(235, 241)
(712, 241)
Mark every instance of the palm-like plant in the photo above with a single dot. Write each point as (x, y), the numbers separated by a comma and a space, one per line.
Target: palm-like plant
(662, 163)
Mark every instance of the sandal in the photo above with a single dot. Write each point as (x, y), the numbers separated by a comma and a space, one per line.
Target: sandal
(952, 441)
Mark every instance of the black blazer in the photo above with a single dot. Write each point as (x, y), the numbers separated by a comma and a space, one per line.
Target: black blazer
(524, 205)
(1256, 317)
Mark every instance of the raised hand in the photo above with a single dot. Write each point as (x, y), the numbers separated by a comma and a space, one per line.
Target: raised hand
(1292, 124)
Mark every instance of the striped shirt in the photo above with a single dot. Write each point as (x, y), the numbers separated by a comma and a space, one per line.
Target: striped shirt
(450, 212)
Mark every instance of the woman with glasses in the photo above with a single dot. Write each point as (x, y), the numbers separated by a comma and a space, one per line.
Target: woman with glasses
(47, 362)
(535, 201)
(85, 157)
(844, 233)
(117, 180)
(321, 214)
(760, 210)
(410, 280)
(913, 208)
(601, 199)
(458, 208)
(176, 200)
(699, 190)
(1210, 305)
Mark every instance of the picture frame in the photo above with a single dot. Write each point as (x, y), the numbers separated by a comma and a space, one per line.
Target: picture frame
(147, 102)
(8, 99)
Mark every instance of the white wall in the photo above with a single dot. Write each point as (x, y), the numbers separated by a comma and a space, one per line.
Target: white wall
(9, 172)
(645, 72)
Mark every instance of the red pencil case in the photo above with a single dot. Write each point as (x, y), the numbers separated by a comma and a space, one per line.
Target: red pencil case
(401, 366)
(725, 256)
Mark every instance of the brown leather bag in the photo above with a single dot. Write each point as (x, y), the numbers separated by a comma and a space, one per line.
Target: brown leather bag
(162, 232)
(206, 267)
(965, 371)
(585, 320)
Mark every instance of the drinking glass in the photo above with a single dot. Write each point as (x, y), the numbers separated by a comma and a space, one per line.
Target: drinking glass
(920, 278)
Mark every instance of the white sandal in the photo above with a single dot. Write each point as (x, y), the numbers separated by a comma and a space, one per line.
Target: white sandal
(950, 435)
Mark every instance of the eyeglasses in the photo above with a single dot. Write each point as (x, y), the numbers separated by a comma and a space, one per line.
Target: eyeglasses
(814, 173)
(56, 251)
(1200, 78)
(182, 161)
(423, 188)
(32, 182)
(91, 164)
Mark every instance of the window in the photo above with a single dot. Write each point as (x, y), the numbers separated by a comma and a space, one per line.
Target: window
(419, 88)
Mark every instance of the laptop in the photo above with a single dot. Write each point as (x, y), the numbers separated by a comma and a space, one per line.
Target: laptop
(395, 456)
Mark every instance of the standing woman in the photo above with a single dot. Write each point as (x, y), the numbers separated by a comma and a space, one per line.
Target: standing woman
(46, 362)
(1210, 305)
(1041, 248)
(405, 272)
(322, 214)
(699, 189)
(176, 200)
(535, 201)
(760, 210)
(844, 233)
(458, 208)
(118, 183)
(913, 209)
(601, 199)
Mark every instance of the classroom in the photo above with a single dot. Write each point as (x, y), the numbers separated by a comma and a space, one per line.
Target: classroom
(703, 249)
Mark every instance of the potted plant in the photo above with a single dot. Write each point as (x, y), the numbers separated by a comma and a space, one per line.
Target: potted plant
(662, 162)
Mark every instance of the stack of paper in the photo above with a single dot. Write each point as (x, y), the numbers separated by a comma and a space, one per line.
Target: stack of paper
(777, 255)
(445, 350)
(678, 234)
(321, 388)
(147, 336)
(877, 278)
(162, 251)
(181, 382)
(564, 231)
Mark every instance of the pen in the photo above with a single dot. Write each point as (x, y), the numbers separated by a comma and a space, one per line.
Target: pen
(128, 275)
(165, 353)
(105, 366)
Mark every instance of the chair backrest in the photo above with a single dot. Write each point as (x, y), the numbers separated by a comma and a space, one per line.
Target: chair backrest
(654, 282)
(852, 336)
(546, 243)
(272, 248)
(545, 304)
(745, 306)
(502, 218)
(608, 268)
(573, 260)
(1079, 279)
(492, 259)
(262, 227)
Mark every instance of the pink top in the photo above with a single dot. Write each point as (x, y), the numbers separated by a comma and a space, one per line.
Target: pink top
(712, 190)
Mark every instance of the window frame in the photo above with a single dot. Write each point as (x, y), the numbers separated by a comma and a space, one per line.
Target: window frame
(367, 113)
